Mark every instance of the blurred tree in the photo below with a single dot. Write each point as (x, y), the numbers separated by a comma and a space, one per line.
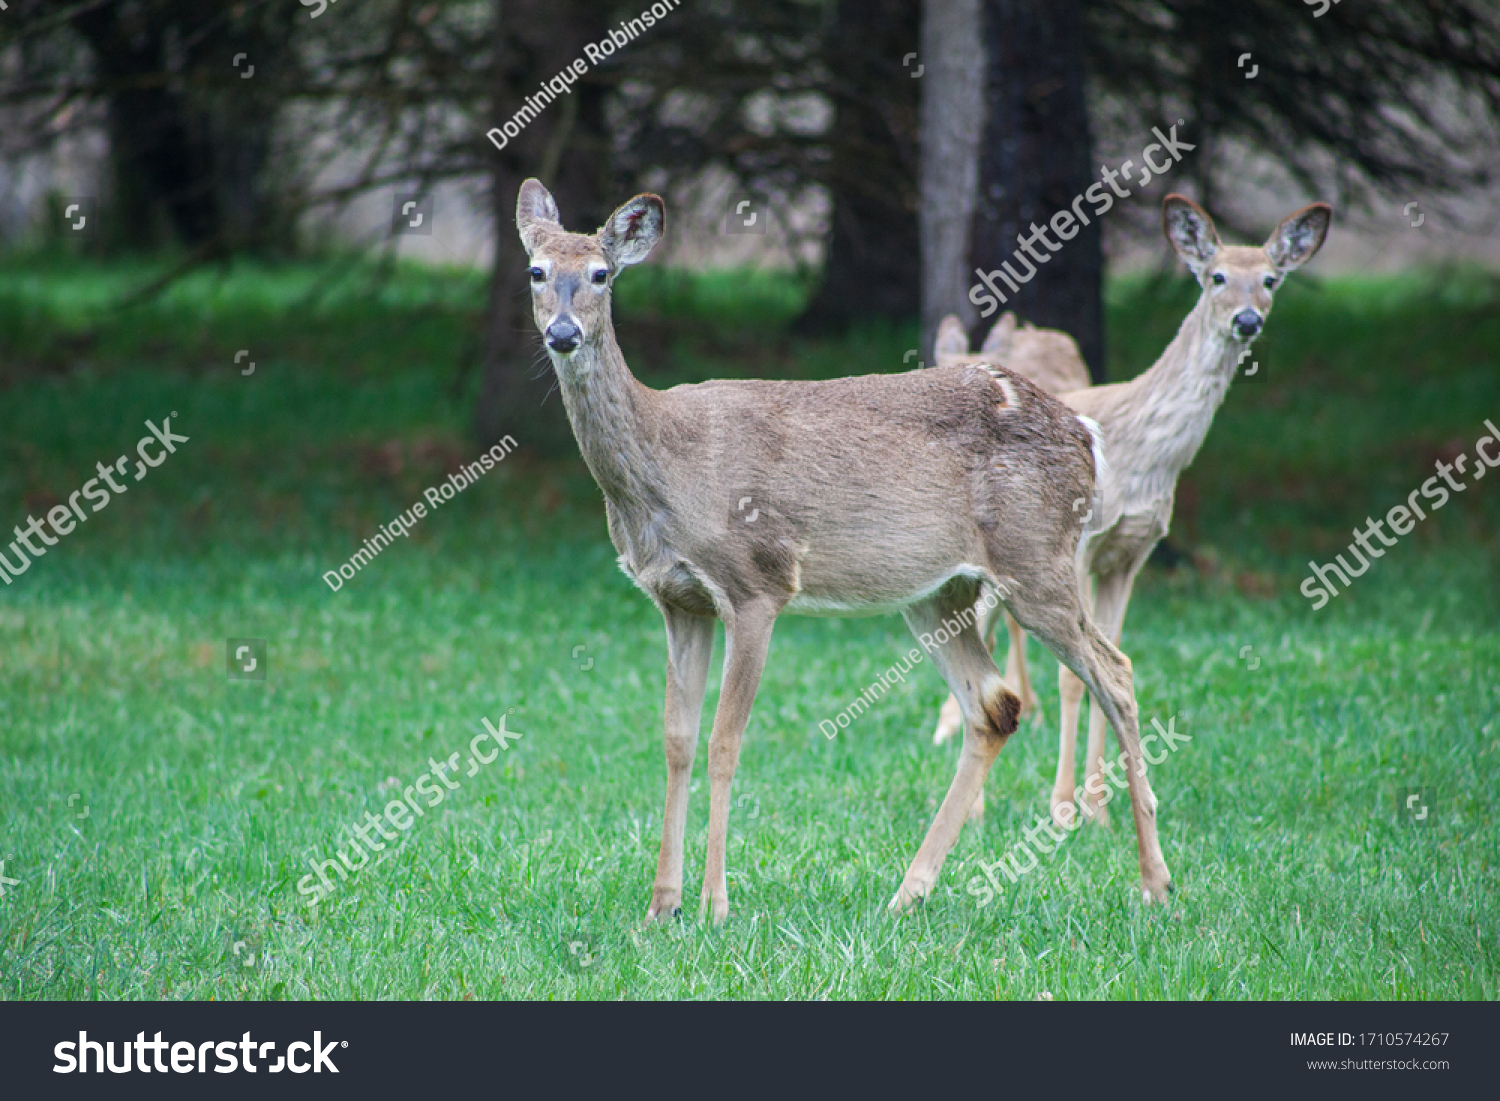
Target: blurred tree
(191, 99)
(1398, 99)
(952, 114)
(728, 92)
(874, 72)
(1353, 101)
(568, 148)
(1035, 157)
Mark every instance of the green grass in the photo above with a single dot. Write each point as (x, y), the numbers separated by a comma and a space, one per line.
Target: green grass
(1297, 877)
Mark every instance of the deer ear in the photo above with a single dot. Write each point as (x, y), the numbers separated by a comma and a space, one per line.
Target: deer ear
(951, 338)
(999, 341)
(1190, 231)
(633, 230)
(1296, 240)
(535, 208)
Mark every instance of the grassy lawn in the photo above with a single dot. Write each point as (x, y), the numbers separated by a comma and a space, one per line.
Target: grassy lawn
(158, 817)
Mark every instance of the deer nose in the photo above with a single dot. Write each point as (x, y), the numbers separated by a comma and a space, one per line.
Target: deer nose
(563, 335)
(1247, 323)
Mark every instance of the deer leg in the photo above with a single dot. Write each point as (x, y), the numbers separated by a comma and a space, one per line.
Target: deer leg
(1114, 694)
(1015, 666)
(1070, 698)
(747, 638)
(1111, 597)
(992, 614)
(1070, 701)
(951, 717)
(1079, 644)
(690, 642)
(990, 711)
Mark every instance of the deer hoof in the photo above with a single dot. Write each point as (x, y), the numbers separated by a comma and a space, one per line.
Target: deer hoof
(664, 904)
(1063, 819)
(1156, 886)
(911, 895)
(715, 906)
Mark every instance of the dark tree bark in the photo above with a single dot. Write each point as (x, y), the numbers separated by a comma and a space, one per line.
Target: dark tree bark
(159, 165)
(565, 146)
(871, 263)
(1035, 158)
(189, 132)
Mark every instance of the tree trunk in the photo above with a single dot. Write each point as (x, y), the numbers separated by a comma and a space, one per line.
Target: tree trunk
(566, 145)
(189, 131)
(872, 175)
(1035, 158)
(952, 106)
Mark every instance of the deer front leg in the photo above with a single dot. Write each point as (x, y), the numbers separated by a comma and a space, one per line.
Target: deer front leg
(747, 639)
(1070, 699)
(1111, 598)
(690, 642)
(1093, 780)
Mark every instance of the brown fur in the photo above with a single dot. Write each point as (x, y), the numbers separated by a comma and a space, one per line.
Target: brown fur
(1003, 710)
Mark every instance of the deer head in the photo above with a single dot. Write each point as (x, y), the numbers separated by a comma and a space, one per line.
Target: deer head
(1238, 280)
(571, 273)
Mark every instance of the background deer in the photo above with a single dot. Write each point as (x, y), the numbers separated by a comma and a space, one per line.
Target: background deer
(1153, 425)
(913, 493)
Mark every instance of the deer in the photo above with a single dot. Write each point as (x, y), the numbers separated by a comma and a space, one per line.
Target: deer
(1153, 427)
(915, 493)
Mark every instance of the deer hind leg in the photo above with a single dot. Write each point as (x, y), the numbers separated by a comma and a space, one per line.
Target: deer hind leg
(690, 641)
(747, 638)
(1054, 613)
(951, 717)
(990, 712)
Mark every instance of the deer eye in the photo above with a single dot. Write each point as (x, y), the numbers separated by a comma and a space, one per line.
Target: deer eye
(1270, 282)
(601, 276)
(537, 275)
(1218, 278)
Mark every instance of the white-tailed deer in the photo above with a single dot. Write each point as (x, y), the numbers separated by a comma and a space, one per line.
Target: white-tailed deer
(914, 493)
(1153, 426)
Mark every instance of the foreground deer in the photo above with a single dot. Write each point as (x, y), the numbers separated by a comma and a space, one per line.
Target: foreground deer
(1153, 426)
(912, 492)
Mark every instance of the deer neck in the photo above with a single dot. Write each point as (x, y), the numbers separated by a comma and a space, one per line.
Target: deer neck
(1168, 410)
(608, 410)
